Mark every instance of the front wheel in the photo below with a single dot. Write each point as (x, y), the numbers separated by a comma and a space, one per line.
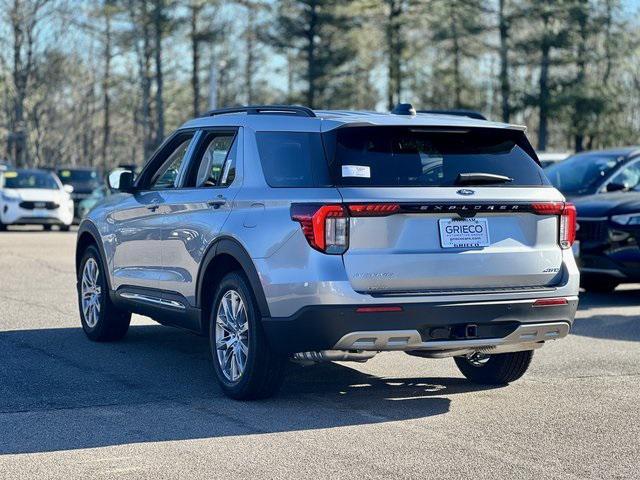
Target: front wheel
(246, 367)
(498, 369)
(65, 228)
(101, 320)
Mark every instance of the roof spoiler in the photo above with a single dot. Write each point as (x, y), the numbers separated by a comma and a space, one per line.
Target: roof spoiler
(460, 112)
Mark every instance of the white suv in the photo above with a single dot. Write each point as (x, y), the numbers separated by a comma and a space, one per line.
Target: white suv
(34, 197)
(286, 233)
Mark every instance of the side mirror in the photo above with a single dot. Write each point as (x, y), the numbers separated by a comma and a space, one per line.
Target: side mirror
(68, 188)
(615, 187)
(121, 181)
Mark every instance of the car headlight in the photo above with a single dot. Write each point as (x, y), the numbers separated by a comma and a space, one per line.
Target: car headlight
(630, 219)
(10, 198)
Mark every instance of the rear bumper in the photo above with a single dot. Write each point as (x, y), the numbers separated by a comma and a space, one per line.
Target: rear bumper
(435, 327)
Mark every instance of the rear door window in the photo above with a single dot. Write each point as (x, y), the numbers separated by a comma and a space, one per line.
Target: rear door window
(424, 157)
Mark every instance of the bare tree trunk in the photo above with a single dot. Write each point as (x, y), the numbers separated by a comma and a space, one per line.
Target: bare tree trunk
(23, 24)
(250, 38)
(195, 58)
(607, 41)
(311, 54)
(395, 49)
(543, 101)
(106, 83)
(505, 86)
(579, 110)
(158, 23)
(457, 81)
(144, 68)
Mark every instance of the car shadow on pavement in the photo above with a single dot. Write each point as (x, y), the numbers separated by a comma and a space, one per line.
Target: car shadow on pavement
(58, 391)
(617, 298)
(609, 326)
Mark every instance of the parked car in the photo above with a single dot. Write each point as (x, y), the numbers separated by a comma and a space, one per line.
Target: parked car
(589, 173)
(85, 206)
(551, 158)
(84, 181)
(286, 233)
(34, 197)
(607, 246)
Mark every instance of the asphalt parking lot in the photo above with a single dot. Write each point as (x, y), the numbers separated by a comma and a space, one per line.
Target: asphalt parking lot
(148, 407)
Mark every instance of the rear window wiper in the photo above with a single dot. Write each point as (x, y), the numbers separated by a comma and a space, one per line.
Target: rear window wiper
(479, 178)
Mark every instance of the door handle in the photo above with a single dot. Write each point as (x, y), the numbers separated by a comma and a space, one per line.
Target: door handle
(153, 208)
(217, 203)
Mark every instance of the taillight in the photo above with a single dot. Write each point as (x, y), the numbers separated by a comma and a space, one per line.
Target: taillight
(567, 213)
(326, 227)
(373, 209)
(568, 225)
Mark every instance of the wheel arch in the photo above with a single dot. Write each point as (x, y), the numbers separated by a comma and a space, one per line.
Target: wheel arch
(223, 256)
(88, 235)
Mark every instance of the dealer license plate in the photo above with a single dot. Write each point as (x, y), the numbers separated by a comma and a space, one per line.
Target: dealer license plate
(464, 232)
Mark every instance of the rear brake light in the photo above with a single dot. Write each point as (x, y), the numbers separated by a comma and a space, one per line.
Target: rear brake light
(550, 302)
(567, 213)
(373, 209)
(325, 226)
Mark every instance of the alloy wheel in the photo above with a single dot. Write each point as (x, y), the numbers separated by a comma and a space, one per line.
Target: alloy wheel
(91, 293)
(232, 335)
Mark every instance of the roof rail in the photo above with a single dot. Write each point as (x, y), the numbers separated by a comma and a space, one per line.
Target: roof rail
(258, 109)
(460, 112)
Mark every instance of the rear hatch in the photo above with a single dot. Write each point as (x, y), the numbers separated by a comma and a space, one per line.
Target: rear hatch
(441, 210)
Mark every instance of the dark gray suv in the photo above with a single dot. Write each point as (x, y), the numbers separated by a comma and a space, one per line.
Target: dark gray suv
(284, 233)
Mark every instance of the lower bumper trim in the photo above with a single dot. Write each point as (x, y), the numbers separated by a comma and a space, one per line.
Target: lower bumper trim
(404, 340)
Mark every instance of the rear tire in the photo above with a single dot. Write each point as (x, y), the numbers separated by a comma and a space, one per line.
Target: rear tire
(498, 369)
(101, 320)
(46, 228)
(236, 335)
(64, 228)
(3, 226)
(598, 284)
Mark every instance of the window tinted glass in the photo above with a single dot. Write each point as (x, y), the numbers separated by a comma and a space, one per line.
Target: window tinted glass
(217, 165)
(582, 173)
(629, 176)
(167, 174)
(78, 175)
(25, 179)
(403, 157)
(292, 159)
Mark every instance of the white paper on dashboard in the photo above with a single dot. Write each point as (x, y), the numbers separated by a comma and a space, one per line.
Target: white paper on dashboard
(360, 171)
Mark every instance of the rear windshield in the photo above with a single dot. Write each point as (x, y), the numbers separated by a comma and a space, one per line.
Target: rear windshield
(395, 157)
(415, 157)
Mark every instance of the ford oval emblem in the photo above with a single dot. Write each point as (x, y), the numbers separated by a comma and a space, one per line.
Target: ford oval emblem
(465, 191)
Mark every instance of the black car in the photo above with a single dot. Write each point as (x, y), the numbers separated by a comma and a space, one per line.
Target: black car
(607, 240)
(590, 173)
(84, 181)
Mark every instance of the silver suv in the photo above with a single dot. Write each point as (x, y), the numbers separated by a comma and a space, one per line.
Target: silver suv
(284, 233)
